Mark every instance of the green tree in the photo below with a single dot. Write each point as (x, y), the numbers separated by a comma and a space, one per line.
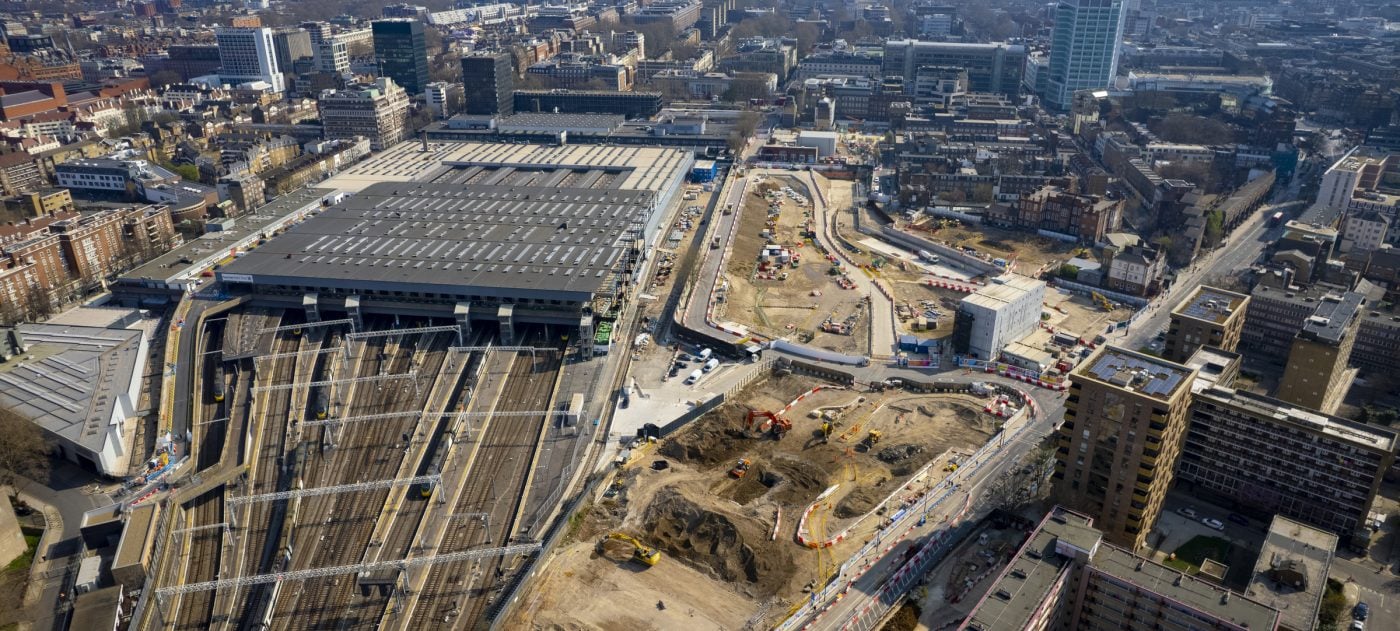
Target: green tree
(23, 451)
(1069, 272)
(1215, 227)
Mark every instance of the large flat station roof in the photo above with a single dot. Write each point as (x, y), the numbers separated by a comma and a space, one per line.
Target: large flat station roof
(457, 239)
(646, 168)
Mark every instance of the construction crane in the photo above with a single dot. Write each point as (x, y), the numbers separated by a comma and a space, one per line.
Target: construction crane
(641, 552)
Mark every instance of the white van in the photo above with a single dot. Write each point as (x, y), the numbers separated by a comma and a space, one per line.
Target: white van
(694, 377)
(704, 354)
(711, 365)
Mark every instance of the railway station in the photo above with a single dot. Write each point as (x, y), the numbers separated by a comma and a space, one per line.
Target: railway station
(481, 233)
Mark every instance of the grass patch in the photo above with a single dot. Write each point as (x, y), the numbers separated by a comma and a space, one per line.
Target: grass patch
(23, 561)
(1189, 556)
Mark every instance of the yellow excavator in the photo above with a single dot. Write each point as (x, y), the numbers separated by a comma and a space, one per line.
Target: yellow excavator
(641, 553)
(1103, 302)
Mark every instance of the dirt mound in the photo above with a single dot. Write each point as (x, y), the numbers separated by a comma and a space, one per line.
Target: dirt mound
(717, 543)
(612, 549)
(860, 501)
(801, 480)
(709, 440)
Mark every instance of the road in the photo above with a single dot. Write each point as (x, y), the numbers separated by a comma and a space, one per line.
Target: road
(721, 226)
(1239, 253)
(881, 304)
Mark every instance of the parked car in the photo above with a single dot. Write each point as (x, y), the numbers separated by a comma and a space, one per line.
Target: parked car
(1213, 524)
(1186, 512)
(1360, 611)
(1238, 518)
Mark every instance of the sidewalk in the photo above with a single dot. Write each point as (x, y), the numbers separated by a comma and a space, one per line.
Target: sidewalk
(42, 564)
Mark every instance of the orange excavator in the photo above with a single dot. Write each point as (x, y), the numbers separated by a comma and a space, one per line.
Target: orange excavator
(772, 424)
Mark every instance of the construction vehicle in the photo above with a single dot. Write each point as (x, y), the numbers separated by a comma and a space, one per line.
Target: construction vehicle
(774, 424)
(827, 428)
(951, 467)
(641, 553)
(741, 469)
(872, 439)
(1103, 303)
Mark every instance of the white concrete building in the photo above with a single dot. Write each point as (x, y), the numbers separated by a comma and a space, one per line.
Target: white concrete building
(1004, 311)
(824, 141)
(247, 55)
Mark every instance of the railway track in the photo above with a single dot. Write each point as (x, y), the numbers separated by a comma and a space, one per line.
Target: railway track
(204, 546)
(458, 595)
(336, 530)
(208, 428)
(269, 417)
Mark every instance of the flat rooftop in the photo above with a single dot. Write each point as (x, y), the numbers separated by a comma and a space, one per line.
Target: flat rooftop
(1293, 550)
(1210, 304)
(1144, 374)
(454, 239)
(1197, 594)
(1003, 290)
(70, 378)
(1026, 581)
(1362, 435)
(1333, 316)
(647, 168)
(177, 262)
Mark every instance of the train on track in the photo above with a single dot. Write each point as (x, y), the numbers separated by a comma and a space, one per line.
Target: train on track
(435, 466)
(322, 403)
(216, 385)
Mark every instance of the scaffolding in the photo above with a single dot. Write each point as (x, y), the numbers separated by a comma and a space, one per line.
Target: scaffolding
(412, 374)
(301, 575)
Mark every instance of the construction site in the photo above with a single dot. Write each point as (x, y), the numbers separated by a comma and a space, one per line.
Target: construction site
(781, 283)
(735, 518)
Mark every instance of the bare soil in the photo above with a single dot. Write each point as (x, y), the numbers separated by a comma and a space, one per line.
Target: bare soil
(719, 561)
(788, 308)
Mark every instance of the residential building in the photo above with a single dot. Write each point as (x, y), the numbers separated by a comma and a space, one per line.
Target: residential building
(1136, 269)
(1291, 573)
(248, 55)
(1359, 169)
(1125, 418)
(1207, 317)
(40, 203)
(1274, 457)
(1067, 575)
(1316, 376)
(377, 111)
(1083, 48)
(993, 67)
(1363, 231)
(1005, 310)
(291, 45)
(187, 60)
(841, 63)
(401, 48)
(680, 14)
(440, 95)
(1053, 208)
(92, 245)
(19, 173)
(1275, 315)
(761, 54)
(489, 82)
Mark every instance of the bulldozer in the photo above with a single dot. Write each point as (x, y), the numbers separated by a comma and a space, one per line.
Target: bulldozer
(774, 424)
(741, 469)
(872, 439)
(641, 553)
